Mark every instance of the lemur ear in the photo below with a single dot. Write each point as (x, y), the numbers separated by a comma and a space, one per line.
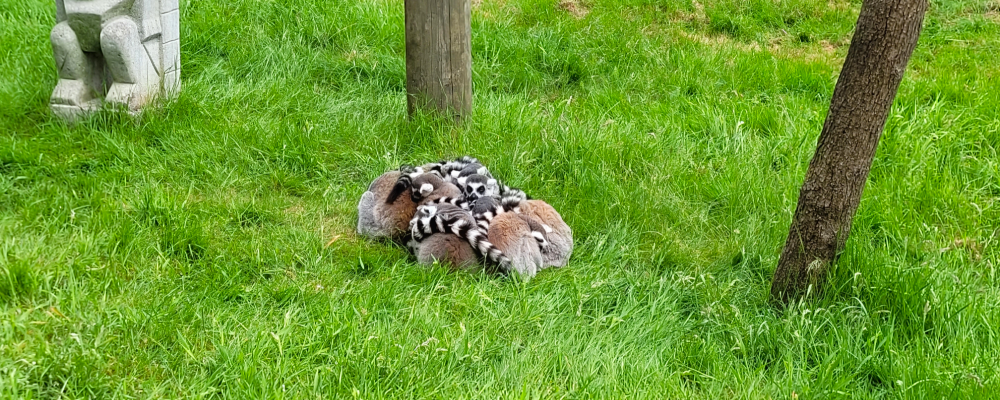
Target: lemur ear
(462, 180)
(491, 182)
(426, 189)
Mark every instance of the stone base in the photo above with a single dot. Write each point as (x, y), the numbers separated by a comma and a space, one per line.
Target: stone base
(126, 51)
(73, 114)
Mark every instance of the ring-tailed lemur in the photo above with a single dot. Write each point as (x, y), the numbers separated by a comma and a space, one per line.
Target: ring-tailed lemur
(485, 209)
(476, 186)
(513, 235)
(559, 234)
(378, 218)
(448, 218)
(405, 181)
(446, 248)
(462, 171)
(471, 169)
(427, 188)
(454, 168)
(450, 171)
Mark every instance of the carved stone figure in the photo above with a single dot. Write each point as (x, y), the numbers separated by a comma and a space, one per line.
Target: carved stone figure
(127, 51)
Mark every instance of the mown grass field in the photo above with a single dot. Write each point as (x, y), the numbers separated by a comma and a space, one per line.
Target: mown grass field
(207, 248)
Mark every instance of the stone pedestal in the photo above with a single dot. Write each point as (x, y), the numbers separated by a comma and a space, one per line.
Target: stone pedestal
(122, 52)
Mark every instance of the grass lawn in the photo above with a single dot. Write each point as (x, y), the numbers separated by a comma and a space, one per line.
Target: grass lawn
(207, 248)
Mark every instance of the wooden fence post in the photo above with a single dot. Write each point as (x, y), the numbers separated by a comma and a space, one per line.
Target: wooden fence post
(439, 56)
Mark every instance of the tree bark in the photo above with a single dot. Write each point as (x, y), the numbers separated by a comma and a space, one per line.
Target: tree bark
(884, 39)
(439, 56)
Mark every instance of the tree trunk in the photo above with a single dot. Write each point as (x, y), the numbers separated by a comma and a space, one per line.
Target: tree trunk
(884, 39)
(439, 56)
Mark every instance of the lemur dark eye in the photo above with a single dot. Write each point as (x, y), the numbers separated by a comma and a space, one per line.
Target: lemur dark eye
(481, 190)
(468, 189)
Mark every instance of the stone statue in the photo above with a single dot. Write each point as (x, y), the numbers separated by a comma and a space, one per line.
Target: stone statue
(125, 50)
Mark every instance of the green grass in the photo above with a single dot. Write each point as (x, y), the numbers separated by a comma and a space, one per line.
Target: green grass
(185, 253)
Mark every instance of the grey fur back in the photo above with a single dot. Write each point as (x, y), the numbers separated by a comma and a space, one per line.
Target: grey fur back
(366, 219)
(525, 257)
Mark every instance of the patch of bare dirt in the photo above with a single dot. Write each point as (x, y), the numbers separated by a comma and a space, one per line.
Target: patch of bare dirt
(974, 247)
(336, 229)
(991, 10)
(827, 47)
(574, 8)
(823, 51)
(295, 210)
(486, 8)
(698, 7)
(839, 5)
(718, 41)
(698, 15)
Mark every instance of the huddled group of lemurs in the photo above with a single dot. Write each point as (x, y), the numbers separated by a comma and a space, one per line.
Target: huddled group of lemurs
(454, 212)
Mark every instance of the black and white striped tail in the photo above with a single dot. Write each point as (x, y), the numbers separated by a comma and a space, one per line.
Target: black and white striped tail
(479, 241)
(420, 228)
(507, 192)
(486, 218)
(463, 229)
(446, 168)
(405, 181)
(455, 201)
(511, 204)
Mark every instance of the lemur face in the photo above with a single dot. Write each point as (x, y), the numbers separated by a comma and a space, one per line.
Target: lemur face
(474, 191)
(477, 186)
